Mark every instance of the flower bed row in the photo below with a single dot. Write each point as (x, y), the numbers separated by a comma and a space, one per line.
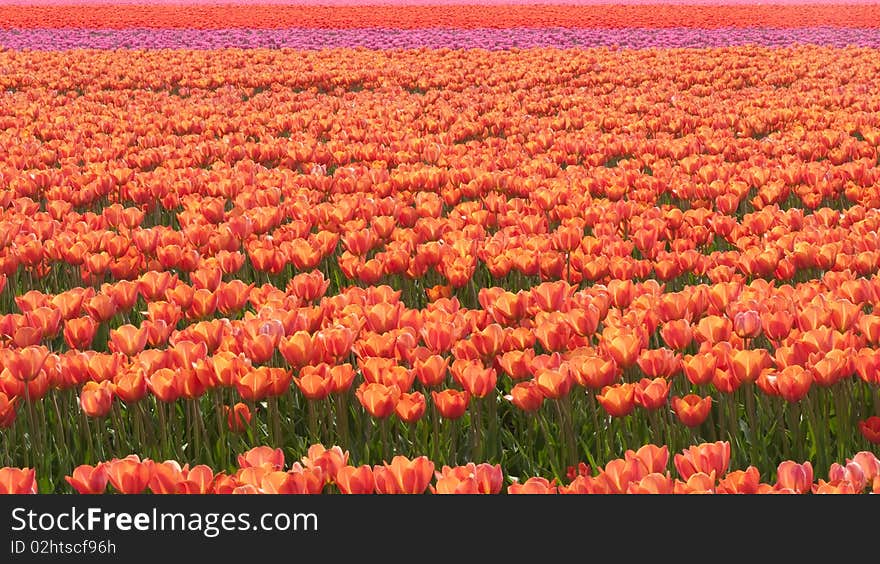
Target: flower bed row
(700, 469)
(435, 38)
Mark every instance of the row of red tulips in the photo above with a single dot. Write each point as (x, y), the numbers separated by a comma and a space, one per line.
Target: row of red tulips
(815, 336)
(702, 468)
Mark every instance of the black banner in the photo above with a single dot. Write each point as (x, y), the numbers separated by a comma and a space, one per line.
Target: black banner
(227, 528)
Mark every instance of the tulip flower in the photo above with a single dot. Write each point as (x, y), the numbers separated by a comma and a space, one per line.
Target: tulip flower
(534, 485)
(450, 404)
(89, 479)
(96, 398)
(238, 417)
(692, 410)
(18, 481)
(355, 480)
(617, 400)
(870, 429)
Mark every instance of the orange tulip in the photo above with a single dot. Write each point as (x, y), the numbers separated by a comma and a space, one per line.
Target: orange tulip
(554, 384)
(197, 480)
(96, 398)
(700, 368)
(869, 464)
(624, 348)
(618, 474)
(329, 460)
(516, 363)
(793, 383)
(661, 362)
(165, 385)
(342, 376)
(654, 483)
(746, 365)
(24, 364)
(254, 384)
(410, 407)
(827, 370)
(261, 456)
(834, 487)
(740, 482)
(677, 334)
(713, 329)
(18, 481)
(651, 394)
(725, 381)
(469, 479)
(351, 480)
(229, 367)
(488, 341)
(238, 417)
(7, 410)
(127, 339)
(697, 483)
(335, 341)
(181, 295)
(553, 332)
(618, 400)
(794, 476)
(431, 371)
(585, 485)
(297, 349)
(474, 377)
(777, 325)
(451, 404)
(378, 399)
(232, 296)
(650, 458)
(166, 478)
(296, 481)
(594, 372)
(692, 410)
(507, 307)
(526, 395)
(101, 307)
(404, 476)
(89, 479)
(706, 458)
(534, 485)
(315, 382)
(130, 475)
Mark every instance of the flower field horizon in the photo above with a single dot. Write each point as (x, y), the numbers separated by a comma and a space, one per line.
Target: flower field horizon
(439, 247)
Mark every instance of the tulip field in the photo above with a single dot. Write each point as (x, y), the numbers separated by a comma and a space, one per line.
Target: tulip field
(469, 247)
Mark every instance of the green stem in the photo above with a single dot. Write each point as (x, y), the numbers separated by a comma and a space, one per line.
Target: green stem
(163, 429)
(477, 430)
(313, 420)
(386, 443)
(794, 424)
(342, 418)
(818, 431)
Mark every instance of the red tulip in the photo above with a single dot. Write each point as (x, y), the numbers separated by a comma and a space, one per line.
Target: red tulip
(870, 429)
(692, 410)
(705, 458)
(794, 476)
(618, 400)
(89, 479)
(18, 481)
